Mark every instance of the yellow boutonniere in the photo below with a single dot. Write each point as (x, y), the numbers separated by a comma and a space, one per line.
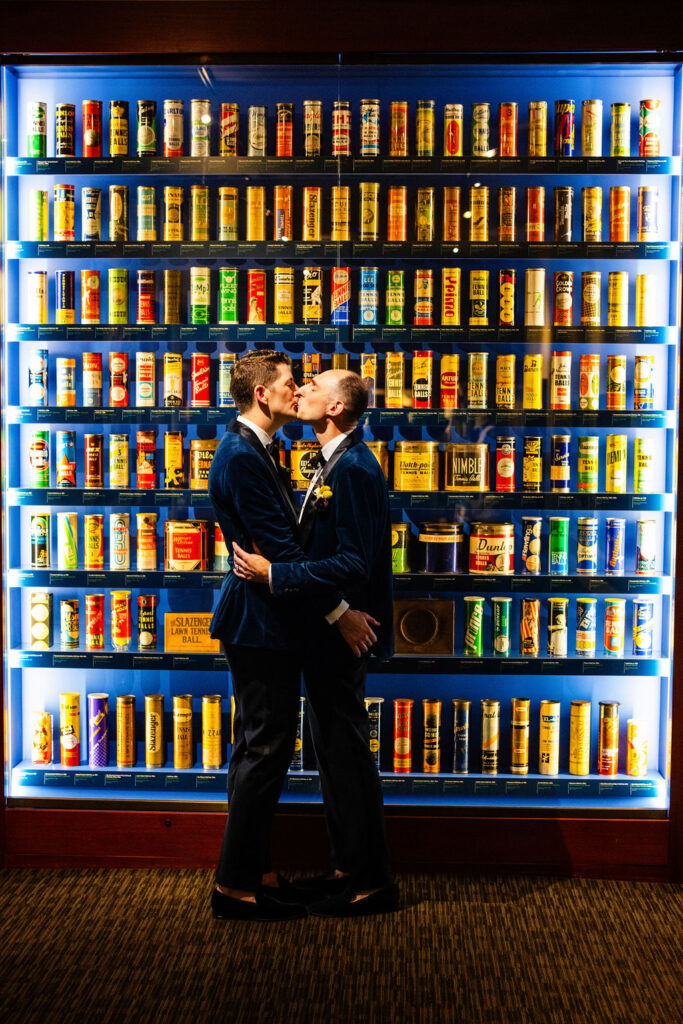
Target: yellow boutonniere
(321, 497)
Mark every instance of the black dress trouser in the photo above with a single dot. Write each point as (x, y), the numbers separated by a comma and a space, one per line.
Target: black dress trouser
(334, 681)
(266, 686)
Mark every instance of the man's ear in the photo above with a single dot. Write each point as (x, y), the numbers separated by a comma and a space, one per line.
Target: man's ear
(261, 394)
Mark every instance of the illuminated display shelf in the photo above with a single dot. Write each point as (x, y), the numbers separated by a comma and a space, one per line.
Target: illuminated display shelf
(331, 334)
(240, 165)
(408, 582)
(409, 663)
(642, 684)
(463, 418)
(192, 782)
(120, 497)
(331, 251)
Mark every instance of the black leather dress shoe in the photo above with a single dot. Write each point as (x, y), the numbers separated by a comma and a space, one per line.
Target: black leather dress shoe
(314, 888)
(344, 905)
(285, 892)
(264, 909)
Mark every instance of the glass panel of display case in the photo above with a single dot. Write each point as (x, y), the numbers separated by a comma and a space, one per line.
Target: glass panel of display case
(496, 250)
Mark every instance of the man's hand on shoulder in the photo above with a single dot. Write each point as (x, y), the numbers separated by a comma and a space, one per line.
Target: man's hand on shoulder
(356, 628)
(249, 567)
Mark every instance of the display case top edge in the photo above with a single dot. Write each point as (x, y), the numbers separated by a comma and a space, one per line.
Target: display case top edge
(338, 62)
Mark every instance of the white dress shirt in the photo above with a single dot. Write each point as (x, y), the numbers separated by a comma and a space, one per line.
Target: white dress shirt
(326, 451)
(263, 437)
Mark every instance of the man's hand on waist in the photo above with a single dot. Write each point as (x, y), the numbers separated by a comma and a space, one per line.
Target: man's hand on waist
(254, 568)
(356, 628)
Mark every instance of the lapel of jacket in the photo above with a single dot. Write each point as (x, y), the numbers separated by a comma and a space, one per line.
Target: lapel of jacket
(240, 428)
(308, 518)
(348, 442)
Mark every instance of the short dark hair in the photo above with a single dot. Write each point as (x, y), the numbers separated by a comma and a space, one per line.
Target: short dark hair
(254, 368)
(354, 394)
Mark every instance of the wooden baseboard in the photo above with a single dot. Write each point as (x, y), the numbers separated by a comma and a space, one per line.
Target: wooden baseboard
(603, 847)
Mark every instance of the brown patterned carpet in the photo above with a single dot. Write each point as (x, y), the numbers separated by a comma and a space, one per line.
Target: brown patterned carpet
(141, 946)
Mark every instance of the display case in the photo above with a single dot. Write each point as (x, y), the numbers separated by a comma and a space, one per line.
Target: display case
(496, 249)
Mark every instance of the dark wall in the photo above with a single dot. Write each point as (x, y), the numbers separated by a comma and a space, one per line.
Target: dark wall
(260, 26)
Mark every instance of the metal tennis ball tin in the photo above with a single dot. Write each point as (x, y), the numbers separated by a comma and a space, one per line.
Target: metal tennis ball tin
(492, 549)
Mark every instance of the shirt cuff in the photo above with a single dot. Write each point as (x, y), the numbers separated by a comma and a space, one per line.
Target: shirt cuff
(270, 578)
(337, 612)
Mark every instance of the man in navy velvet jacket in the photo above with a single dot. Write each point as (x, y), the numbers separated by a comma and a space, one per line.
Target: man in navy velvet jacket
(262, 635)
(345, 528)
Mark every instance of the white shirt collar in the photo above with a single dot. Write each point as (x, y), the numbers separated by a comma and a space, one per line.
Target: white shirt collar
(327, 450)
(263, 437)
(331, 446)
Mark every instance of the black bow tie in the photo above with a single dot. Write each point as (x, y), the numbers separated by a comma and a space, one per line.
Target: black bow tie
(318, 460)
(273, 450)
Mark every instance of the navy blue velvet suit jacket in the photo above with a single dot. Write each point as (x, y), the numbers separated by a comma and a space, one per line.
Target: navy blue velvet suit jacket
(253, 508)
(348, 544)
